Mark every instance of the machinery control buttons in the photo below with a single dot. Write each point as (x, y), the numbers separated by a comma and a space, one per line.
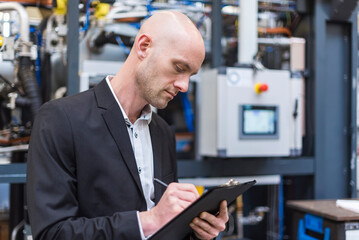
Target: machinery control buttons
(260, 88)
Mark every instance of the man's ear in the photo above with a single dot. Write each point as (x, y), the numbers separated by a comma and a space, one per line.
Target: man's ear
(144, 42)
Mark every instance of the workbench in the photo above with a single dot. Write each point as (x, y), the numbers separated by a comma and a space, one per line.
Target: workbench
(322, 219)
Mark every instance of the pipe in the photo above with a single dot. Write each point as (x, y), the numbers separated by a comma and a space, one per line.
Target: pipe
(24, 23)
(276, 30)
(29, 83)
(248, 33)
(17, 230)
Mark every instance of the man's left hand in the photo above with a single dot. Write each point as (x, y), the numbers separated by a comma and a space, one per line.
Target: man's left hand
(208, 226)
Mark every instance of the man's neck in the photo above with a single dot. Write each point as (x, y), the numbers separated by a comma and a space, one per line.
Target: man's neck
(127, 95)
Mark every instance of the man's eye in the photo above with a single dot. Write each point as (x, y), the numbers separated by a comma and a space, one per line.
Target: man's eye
(178, 69)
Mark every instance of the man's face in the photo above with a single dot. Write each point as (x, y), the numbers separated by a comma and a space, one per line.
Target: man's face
(165, 72)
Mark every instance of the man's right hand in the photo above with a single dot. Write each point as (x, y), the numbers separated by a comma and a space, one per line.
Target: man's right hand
(175, 199)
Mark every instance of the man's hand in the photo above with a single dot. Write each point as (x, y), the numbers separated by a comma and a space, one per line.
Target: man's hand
(175, 199)
(208, 226)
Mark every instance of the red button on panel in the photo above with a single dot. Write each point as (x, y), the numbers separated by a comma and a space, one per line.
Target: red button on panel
(260, 87)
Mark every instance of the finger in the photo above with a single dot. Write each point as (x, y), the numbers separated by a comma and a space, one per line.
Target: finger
(218, 221)
(175, 190)
(181, 194)
(205, 226)
(183, 204)
(213, 221)
(187, 196)
(201, 233)
(186, 187)
(223, 211)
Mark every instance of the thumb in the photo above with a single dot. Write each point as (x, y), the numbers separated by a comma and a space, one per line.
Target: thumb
(223, 211)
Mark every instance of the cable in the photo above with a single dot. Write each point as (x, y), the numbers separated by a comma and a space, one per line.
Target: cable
(122, 45)
(200, 22)
(12, 85)
(86, 26)
(17, 37)
(38, 59)
(280, 209)
(187, 110)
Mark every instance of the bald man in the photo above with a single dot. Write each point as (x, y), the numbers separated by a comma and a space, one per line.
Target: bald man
(93, 156)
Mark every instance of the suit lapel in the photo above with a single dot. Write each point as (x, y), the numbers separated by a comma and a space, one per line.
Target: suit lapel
(117, 127)
(157, 156)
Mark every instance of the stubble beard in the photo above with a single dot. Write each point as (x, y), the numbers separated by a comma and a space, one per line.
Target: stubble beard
(146, 84)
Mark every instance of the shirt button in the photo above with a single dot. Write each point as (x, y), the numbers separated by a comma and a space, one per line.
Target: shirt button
(136, 135)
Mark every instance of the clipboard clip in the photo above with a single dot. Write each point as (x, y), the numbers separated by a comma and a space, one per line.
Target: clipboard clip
(230, 183)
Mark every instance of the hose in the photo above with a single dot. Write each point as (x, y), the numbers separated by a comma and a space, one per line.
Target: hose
(112, 38)
(29, 83)
(22, 102)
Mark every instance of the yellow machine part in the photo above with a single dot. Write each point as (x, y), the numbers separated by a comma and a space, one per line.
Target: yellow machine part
(200, 189)
(1, 41)
(61, 7)
(102, 9)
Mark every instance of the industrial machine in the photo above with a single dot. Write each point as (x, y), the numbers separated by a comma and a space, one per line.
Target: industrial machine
(250, 113)
(19, 93)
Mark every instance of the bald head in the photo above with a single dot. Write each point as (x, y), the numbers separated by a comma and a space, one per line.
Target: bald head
(169, 24)
(168, 29)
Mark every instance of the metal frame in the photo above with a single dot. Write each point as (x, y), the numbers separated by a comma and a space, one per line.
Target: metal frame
(353, 54)
(246, 167)
(216, 37)
(335, 50)
(73, 79)
(13, 173)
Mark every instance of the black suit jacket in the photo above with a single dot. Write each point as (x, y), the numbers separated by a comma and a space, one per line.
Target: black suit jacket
(82, 178)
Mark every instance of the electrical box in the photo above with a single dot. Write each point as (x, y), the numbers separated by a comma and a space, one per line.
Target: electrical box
(248, 113)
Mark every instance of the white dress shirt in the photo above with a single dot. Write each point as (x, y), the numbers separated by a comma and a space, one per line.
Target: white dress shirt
(140, 137)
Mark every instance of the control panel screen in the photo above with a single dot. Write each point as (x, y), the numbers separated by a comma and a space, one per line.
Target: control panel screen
(259, 120)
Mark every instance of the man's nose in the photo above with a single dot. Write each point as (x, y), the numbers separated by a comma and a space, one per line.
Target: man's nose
(182, 84)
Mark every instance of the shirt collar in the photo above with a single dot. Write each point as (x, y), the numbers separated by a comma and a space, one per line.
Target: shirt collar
(146, 113)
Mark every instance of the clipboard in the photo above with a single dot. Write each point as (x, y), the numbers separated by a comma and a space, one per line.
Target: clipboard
(178, 227)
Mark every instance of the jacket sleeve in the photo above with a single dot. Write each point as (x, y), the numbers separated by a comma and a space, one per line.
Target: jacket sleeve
(52, 186)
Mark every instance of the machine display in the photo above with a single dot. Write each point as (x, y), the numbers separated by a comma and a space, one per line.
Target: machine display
(258, 121)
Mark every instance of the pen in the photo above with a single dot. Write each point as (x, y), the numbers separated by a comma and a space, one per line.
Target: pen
(160, 182)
